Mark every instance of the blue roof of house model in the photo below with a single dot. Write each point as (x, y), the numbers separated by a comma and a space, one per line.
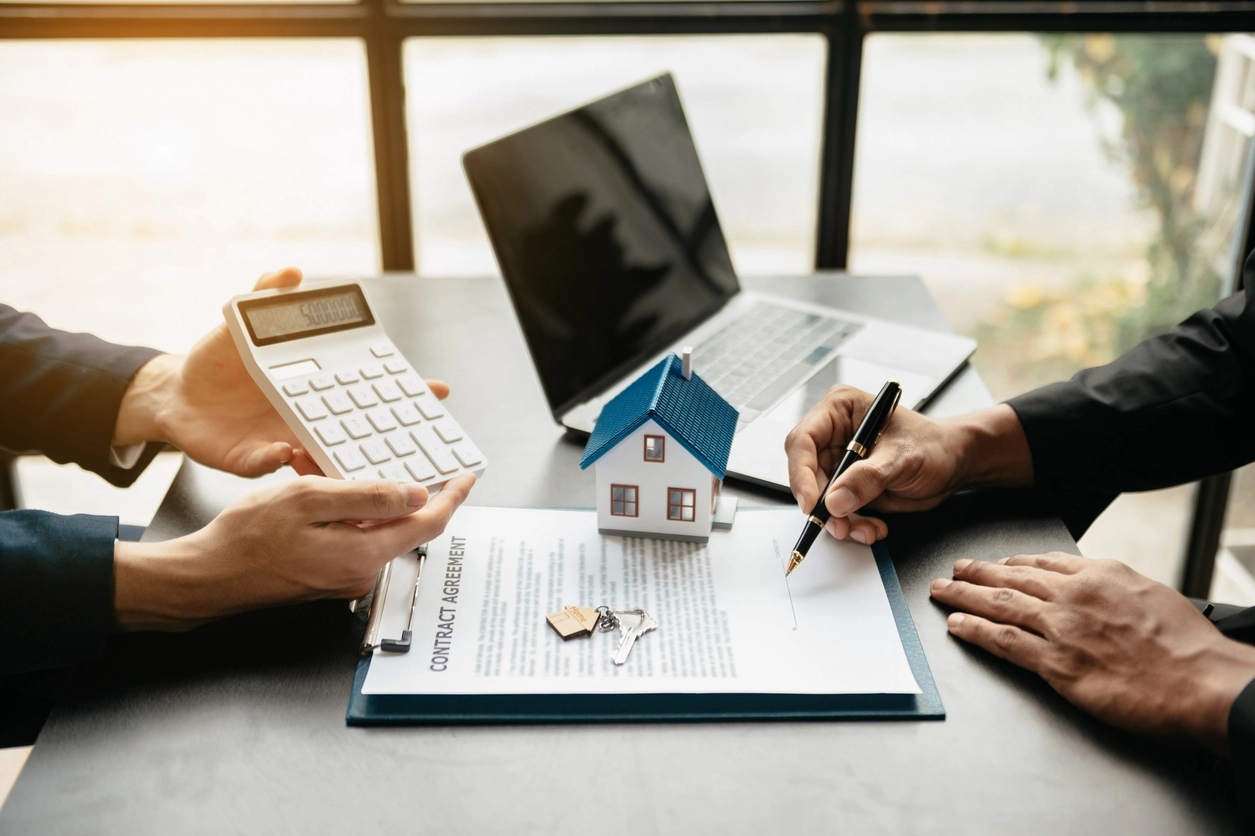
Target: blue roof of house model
(689, 410)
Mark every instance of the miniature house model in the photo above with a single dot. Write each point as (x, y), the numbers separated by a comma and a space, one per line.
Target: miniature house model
(661, 450)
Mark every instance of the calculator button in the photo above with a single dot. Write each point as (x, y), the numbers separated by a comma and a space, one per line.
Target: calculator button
(356, 426)
(412, 385)
(322, 381)
(337, 403)
(382, 350)
(372, 371)
(381, 420)
(312, 409)
(396, 367)
(467, 454)
(396, 472)
(295, 388)
(330, 434)
(362, 396)
(375, 451)
(387, 391)
(448, 430)
(420, 469)
(347, 376)
(401, 444)
(430, 407)
(434, 448)
(406, 414)
(350, 459)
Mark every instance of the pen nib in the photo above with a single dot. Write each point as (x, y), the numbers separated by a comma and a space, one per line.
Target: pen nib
(795, 560)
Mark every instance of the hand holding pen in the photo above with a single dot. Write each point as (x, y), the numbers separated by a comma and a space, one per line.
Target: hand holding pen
(859, 447)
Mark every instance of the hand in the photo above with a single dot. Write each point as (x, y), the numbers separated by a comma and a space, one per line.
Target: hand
(917, 463)
(1132, 652)
(279, 545)
(208, 406)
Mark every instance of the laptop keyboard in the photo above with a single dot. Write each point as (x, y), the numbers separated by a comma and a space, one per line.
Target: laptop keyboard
(765, 352)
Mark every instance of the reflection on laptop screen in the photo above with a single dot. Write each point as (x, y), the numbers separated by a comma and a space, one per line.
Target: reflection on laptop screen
(606, 235)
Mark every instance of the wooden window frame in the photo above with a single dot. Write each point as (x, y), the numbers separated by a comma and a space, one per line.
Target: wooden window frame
(662, 440)
(692, 494)
(635, 503)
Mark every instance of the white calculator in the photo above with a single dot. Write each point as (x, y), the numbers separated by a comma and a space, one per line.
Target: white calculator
(357, 406)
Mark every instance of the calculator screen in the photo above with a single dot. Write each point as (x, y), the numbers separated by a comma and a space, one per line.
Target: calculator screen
(295, 315)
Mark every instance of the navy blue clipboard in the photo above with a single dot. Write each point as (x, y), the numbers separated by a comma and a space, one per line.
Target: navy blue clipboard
(445, 709)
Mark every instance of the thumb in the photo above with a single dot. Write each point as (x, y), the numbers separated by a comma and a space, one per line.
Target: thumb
(859, 486)
(323, 500)
(287, 277)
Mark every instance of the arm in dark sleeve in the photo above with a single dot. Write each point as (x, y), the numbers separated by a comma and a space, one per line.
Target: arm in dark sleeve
(1242, 748)
(1172, 409)
(60, 394)
(56, 589)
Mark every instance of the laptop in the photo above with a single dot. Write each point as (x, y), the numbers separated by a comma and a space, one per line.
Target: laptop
(612, 254)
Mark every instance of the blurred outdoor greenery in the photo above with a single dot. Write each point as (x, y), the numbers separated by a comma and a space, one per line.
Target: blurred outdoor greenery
(1161, 89)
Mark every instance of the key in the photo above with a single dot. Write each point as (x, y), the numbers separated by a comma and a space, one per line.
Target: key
(467, 454)
(372, 371)
(420, 469)
(375, 451)
(430, 407)
(322, 381)
(412, 385)
(347, 376)
(350, 459)
(295, 388)
(406, 414)
(381, 349)
(396, 367)
(434, 448)
(387, 391)
(396, 472)
(337, 403)
(632, 625)
(356, 426)
(401, 444)
(381, 420)
(311, 409)
(363, 397)
(448, 430)
(330, 434)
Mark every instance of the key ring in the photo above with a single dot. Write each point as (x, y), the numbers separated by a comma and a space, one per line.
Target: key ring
(606, 620)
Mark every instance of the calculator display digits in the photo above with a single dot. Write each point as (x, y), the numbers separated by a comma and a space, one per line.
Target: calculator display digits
(353, 400)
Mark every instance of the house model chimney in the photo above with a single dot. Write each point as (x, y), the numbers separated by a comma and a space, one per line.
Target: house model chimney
(686, 362)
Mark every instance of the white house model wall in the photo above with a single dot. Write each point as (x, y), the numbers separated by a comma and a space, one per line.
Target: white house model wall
(626, 465)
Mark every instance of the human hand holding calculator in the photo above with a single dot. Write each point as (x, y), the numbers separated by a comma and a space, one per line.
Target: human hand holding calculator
(329, 369)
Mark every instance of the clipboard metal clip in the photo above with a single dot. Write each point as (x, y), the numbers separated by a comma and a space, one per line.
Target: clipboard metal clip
(371, 640)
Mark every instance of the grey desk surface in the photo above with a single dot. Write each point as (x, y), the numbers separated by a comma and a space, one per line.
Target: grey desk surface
(239, 726)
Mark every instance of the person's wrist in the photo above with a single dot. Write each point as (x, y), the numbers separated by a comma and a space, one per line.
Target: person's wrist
(1223, 672)
(160, 586)
(139, 415)
(990, 449)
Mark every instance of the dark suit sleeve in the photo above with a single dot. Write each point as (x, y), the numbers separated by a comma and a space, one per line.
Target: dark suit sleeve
(1242, 748)
(60, 394)
(1172, 409)
(56, 588)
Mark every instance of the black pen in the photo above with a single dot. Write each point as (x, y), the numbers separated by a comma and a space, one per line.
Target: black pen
(859, 448)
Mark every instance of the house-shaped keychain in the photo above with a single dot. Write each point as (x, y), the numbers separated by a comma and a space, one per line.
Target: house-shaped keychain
(661, 449)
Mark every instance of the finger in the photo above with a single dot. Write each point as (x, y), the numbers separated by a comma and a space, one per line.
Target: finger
(866, 530)
(1002, 640)
(1002, 604)
(400, 536)
(862, 483)
(303, 464)
(1063, 564)
(266, 459)
(287, 277)
(1027, 579)
(325, 500)
(438, 388)
(802, 446)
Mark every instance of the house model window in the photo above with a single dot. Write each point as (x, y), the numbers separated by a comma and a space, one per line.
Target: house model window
(623, 500)
(655, 448)
(681, 504)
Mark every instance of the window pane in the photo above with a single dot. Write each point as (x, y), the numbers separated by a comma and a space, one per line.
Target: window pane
(753, 102)
(1063, 198)
(616, 492)
(153, 180)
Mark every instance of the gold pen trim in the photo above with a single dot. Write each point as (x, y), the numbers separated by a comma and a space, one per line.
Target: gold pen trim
(855, 447)
(816, 520)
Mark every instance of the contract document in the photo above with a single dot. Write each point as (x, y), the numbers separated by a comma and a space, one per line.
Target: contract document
(729, 620)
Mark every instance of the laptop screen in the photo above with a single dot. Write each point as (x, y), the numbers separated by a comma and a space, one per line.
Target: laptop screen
(606, 235)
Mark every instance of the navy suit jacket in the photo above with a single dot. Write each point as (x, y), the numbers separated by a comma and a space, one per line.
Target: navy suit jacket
(59, 395)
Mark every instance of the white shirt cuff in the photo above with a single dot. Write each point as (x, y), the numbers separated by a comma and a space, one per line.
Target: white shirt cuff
(126, 457)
